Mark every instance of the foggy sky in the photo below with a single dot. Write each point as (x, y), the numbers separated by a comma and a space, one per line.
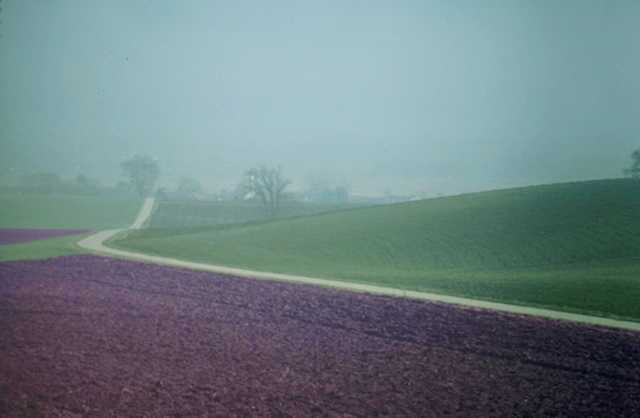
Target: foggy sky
(401, 96)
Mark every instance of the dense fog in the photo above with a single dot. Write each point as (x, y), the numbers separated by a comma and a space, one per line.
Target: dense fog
(402, 97)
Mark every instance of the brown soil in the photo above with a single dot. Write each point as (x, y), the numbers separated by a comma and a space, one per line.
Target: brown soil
(84, 335)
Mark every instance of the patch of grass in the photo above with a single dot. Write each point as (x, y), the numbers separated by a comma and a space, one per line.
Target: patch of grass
(61, 212)
(44, 248)
(570, 247)
(603, 288)
(67, 212)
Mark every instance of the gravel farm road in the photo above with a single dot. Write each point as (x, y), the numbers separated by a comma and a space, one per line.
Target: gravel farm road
(95, 243)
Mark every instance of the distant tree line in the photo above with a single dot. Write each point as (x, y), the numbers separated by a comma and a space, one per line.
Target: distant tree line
(142, 173)
(264, 185)
(52, 183)
(338, 194)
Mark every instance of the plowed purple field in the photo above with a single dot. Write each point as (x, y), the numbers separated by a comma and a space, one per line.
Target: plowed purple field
(84, 335)
(17, 235)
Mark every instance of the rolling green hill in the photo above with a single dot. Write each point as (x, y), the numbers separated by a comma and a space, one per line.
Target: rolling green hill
(573, 246)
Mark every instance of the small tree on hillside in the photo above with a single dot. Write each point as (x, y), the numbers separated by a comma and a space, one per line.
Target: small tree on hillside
(634, 170)
(143, 173)
(266, 184)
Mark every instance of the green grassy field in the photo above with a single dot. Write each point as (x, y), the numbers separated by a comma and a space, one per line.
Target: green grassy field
(43, 248)
(67, 212)
(61, 212)
(573, 247)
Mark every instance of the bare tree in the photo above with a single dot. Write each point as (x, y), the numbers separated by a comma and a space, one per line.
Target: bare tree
(634, 170)
(266, 184)
(143, 172)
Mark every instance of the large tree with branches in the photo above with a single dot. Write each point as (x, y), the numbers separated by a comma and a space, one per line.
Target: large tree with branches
(143, 172)
(268, 185)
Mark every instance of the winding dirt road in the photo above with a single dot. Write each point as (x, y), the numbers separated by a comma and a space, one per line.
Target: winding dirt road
(95, 243)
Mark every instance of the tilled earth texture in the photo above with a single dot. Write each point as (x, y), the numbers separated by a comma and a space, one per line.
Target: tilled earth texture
(83, 335)
(17, 235)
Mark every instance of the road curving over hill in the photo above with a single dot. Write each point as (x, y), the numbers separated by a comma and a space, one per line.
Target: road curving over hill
(95, 243)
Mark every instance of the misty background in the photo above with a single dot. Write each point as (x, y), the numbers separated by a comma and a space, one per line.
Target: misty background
(425, 97)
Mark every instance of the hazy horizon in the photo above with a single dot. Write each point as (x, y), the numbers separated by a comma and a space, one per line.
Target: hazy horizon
(401, 97)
